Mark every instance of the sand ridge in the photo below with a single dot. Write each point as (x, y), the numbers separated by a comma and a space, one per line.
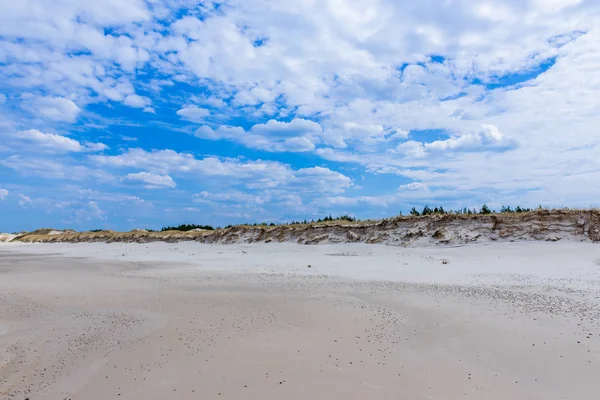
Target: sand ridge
(407, 231)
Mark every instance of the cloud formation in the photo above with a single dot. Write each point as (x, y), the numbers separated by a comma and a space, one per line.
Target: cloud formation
(56, 142)
(55, 108)
(258, 108)
(150, 180)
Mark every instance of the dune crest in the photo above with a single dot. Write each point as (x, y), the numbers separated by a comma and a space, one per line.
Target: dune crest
(542, 225)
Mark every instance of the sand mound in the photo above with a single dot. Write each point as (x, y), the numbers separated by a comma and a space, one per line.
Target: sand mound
(401, 231)
(6, 237)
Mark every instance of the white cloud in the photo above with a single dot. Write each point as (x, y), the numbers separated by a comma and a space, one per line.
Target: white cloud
(254, 175)
(193, 113)
(353, 82)
(489, 138)
(24, 200)
(150, 180)
(413, 186)
(94, 147)
(89, 212)
(206, 132)
(133, 100)
(211, 101)
(297, 144)
(234, 196)
(53, 169)
(96, 195)
(159, 161)
(298, 135)
(294, 128)
(3, 194)
(58, 143)
(55, 108)
(322, 180)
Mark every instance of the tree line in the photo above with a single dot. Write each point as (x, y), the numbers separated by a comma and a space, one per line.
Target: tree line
(427, 210)
(468, 211)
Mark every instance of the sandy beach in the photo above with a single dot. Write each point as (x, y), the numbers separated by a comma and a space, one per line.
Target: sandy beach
(196, 321)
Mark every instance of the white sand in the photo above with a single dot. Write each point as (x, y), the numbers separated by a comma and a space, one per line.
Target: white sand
(7, 237)
(193, 321)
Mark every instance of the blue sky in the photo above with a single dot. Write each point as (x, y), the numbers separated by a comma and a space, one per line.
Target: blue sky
(143, 113)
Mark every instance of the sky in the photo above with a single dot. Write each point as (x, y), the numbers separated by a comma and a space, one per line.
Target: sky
(123, 114)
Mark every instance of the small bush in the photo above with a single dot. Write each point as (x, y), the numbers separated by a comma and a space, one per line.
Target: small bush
(467, 211)
(187, 227)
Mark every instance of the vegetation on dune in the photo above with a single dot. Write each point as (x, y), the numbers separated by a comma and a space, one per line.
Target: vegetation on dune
(329, 218)
(484, 210)
(426, 211)
(468, 211)
(187, 227)
(443, 225)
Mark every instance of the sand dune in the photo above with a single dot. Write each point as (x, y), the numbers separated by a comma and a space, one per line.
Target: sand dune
(542, 225)
(190, 320)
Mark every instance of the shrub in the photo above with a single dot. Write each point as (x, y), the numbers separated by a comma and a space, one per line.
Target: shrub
(186, 227)
(426, 210)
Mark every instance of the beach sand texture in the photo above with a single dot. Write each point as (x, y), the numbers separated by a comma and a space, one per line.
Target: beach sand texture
(187, 320)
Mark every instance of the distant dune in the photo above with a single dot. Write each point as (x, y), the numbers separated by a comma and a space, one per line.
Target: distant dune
(7, 237)
(411, 231)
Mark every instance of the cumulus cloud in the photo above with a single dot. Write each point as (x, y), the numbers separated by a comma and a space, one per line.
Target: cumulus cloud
(136, 101)
(55, 108)
(322, 180)
(488, 138)
(193, 113)
(150, 180)
(3, 194)
(159, 161)
(58, 143)
(365, 86)
(254, 174)
(296, 144)
(298, 135)
(295, 128)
